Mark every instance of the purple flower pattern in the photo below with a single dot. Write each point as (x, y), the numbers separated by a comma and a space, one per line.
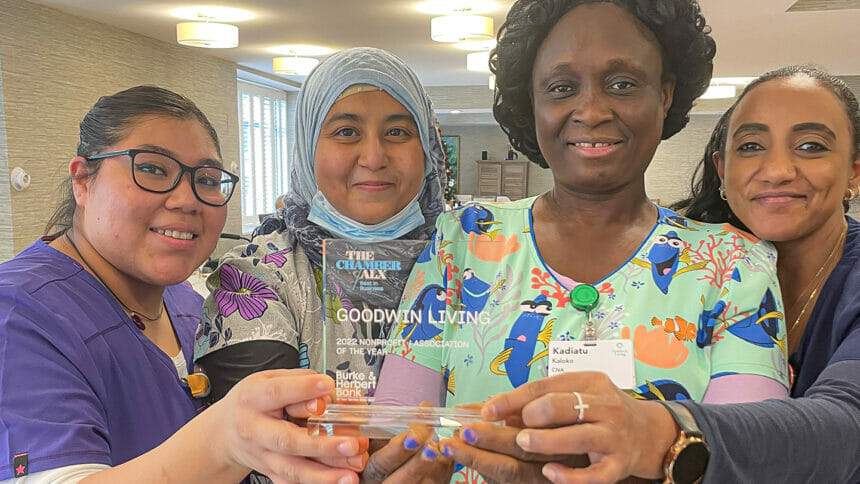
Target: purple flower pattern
(278, 258)
(242, 292)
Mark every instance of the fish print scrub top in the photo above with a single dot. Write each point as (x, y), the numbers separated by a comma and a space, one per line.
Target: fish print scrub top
(698, 301)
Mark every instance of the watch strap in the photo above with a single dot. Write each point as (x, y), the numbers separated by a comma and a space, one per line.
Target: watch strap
(686, 460)
(683, 418)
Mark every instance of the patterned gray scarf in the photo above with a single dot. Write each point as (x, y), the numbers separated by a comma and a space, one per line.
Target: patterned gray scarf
(361, 65)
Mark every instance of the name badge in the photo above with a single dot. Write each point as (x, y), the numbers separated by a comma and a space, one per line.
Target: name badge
(612, 357)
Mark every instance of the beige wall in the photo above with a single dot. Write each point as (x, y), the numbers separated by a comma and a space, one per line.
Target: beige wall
(671, 170)
(55, 66)
(5, 189)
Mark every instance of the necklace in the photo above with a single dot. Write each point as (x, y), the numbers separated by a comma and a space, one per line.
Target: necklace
(137, 317)
(817, 281)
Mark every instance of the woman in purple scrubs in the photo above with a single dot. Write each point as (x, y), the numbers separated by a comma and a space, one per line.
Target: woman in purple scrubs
(97, 331)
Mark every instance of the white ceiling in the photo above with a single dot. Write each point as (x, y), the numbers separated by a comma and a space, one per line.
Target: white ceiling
(752, 35)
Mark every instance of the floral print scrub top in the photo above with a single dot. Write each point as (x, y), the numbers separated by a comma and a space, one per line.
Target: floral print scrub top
(698, 301)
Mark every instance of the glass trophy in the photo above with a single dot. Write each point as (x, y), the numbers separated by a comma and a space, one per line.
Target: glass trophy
(364, 285)
(384, 422)
(362, 288)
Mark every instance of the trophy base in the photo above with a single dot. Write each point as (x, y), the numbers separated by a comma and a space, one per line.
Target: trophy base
(385, 421)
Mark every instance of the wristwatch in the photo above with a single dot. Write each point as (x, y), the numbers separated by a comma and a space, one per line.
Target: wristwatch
(687, 458)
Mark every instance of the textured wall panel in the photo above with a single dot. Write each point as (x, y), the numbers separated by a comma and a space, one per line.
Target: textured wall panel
(822, 5)
(6, 251)
(55, 66)
(460, 97)
(668, 177)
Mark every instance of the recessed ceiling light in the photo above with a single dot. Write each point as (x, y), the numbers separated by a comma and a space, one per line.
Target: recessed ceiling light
(443, 7)
(476, 45)
(301, 49)
(455, 111)
(213, 13)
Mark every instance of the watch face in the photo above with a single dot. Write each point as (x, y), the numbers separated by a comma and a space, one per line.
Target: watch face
(690, 463)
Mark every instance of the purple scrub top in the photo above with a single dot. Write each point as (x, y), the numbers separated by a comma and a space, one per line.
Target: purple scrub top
(79, 383)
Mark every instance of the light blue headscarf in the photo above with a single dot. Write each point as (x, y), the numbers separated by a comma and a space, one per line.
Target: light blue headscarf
(361, 65)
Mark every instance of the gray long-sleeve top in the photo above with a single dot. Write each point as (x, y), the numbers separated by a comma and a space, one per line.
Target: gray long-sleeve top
(815, 438)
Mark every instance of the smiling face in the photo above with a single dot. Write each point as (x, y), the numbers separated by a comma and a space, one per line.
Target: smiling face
(369, 161)
(599, 99)
(788, 159)
(156, 238)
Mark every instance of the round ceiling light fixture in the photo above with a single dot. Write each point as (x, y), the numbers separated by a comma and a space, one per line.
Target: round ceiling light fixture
(461, 28)
(294, 65)
(209, 35)
(475, 45)
(301, 50)
(444, 7)
(213, 13)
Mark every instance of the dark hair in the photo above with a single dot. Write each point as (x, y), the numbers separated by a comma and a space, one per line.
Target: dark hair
(107, 123)
(686, 48)
(704, 202)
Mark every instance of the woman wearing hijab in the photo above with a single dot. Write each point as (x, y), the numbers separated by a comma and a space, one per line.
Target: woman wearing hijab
(358, 175)
(369, 166)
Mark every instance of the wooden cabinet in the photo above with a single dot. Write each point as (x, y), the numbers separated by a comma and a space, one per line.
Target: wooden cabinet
(508, 178)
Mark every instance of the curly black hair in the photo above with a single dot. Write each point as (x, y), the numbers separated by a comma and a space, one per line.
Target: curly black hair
(705, 203)
(685, 44)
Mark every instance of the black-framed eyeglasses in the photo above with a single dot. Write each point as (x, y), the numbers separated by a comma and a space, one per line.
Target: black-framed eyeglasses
(158, 173)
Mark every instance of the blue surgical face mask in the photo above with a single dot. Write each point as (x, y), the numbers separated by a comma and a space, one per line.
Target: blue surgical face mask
(326, 216)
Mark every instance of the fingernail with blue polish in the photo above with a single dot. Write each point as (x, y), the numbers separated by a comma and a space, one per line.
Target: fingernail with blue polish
(429, 453)
(446, 451)
(470, 436)
(410, 443)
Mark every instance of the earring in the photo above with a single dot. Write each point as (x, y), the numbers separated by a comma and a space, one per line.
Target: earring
(851, 194)
(722, 191)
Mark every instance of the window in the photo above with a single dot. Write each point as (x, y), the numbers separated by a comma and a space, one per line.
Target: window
(263, 154)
